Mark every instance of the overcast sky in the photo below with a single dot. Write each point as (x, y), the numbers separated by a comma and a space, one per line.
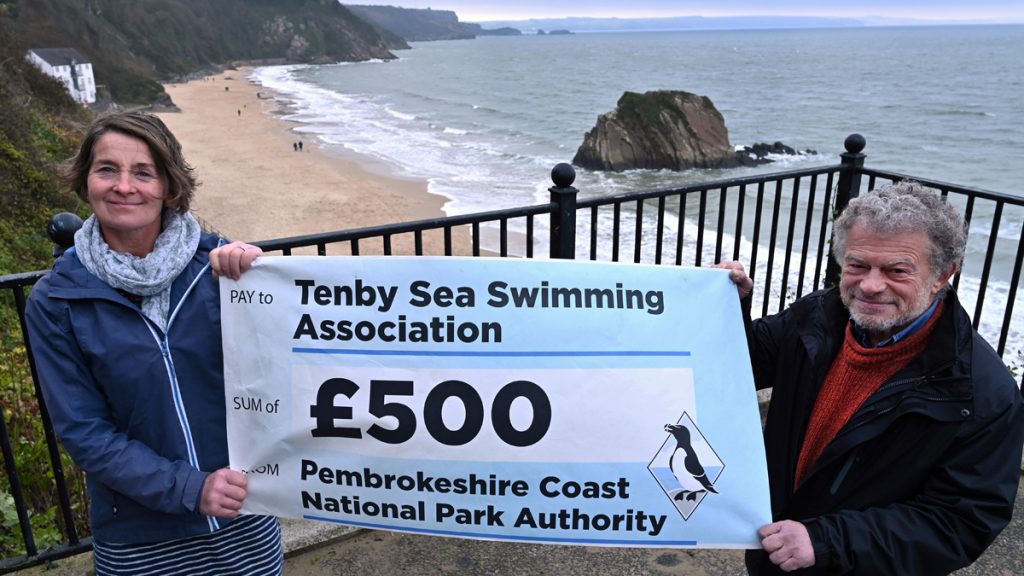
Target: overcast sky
(483, 10)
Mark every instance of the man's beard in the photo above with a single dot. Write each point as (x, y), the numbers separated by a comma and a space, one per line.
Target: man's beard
(903, 317)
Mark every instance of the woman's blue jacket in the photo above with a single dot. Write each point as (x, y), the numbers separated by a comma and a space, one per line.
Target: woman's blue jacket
(141, 411)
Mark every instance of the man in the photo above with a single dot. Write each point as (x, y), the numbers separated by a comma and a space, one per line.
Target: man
(894, 433)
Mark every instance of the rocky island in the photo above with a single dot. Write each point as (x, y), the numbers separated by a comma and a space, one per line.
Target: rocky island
(666, 130)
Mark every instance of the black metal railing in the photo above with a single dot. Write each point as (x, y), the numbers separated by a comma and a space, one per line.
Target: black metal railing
(778, 224)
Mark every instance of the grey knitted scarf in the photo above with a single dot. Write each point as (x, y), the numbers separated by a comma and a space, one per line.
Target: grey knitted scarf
(150, 277)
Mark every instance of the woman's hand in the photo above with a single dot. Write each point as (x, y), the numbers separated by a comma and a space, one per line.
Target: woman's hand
(233, 259)
(223, 493)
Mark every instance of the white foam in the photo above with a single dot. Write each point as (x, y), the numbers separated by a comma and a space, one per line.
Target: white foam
(400, 115)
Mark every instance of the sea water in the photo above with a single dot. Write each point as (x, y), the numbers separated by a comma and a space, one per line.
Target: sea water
(485, 120)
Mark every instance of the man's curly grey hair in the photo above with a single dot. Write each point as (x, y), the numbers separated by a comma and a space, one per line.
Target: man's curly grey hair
(906, 206)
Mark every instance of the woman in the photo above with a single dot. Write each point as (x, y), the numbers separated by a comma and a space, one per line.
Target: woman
(126, 337)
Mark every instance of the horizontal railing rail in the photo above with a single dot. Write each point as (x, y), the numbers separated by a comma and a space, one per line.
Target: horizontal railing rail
(777, 224)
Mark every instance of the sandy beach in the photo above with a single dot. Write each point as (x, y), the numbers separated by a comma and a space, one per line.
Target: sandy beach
(255, 186)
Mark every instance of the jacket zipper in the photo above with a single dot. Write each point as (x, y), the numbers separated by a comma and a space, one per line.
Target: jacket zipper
(842, 474)
(172, 375)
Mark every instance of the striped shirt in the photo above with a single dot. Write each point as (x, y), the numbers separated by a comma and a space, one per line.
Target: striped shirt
(250, 546)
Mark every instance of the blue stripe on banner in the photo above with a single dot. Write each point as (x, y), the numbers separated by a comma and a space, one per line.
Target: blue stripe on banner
(535, 353)
(505, 536)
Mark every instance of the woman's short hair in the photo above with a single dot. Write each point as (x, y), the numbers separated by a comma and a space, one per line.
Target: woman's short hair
(163, 146)
(906, 207)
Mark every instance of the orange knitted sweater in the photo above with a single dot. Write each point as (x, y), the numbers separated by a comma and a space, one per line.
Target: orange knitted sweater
(854, 376)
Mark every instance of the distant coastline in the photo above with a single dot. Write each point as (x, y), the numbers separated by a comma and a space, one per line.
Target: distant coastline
(579, 25)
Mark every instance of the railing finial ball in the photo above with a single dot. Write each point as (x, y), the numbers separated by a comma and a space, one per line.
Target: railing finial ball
(62, 228)
(854, 143)
(563, 175)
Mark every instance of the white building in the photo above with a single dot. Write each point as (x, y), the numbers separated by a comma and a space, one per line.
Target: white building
(70, 67)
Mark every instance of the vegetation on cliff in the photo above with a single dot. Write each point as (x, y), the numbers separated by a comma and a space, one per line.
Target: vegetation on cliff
(135, 44)
(39, 127)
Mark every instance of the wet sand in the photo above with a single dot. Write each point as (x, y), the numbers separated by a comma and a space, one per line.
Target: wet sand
(255, 186)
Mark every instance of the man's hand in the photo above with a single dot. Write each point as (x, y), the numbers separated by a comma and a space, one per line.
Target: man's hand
(223, 493)
(744, 285)
(233, 259)
(788, 545)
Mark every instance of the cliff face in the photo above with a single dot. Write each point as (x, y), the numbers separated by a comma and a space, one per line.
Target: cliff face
(417, 25)
(133, 44)
(671, 130)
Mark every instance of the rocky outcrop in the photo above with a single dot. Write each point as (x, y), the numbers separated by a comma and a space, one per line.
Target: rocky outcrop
(760, 153)
(666, 130)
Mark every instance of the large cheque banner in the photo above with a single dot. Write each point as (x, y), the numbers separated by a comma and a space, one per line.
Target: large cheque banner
(503, 399)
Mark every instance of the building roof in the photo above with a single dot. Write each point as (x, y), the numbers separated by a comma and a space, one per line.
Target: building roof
(60, 56)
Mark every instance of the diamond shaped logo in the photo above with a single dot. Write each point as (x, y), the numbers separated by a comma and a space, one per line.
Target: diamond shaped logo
(686, 466)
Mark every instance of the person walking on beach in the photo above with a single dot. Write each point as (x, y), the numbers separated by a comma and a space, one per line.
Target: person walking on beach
(127, 341)
(894, 433)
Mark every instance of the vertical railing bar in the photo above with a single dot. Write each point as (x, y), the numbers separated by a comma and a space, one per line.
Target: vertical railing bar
(476, 238)
(615, 231)
(738, 235)
(448, 251)
(17, 492)
(968, 215)
(593, 232)
(286, 252)
(529, 236)
(871, 182)
(418, 239)
(790, 228)
(11, 466)
(321, 249)
(826, 216)
(59, 478)
(1012, 293)
(771, 246)
(807, 236)
(848, 187)
(680, 229)
(503, 233)
(986, 268)
(756, 240)
(660, 231)
(387, 244)
(720, 227)
(638, 231)
(701, 212)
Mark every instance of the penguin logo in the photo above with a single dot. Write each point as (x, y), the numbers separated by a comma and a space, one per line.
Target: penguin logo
(686, 466)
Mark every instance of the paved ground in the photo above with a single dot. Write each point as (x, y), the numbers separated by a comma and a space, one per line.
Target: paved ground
(371, 553)
(321, 549)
